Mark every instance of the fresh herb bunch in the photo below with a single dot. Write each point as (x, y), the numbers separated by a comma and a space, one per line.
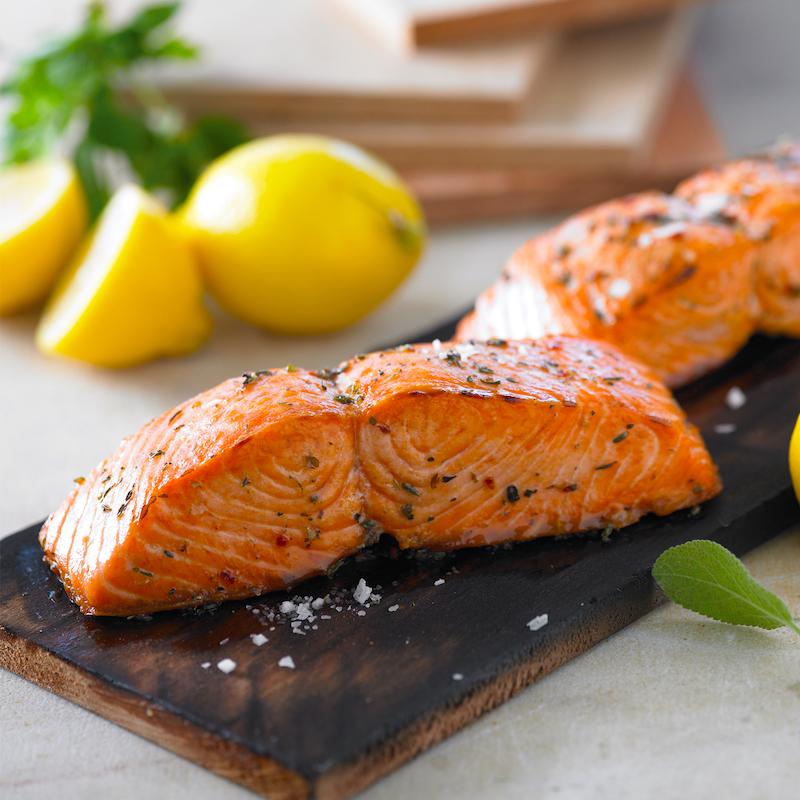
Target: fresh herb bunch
(79, 80)
(705, 577)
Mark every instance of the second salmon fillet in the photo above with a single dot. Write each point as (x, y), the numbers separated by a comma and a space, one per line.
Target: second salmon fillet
(276, 476)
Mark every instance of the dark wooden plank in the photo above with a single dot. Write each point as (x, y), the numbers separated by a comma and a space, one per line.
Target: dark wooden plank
(370, 692)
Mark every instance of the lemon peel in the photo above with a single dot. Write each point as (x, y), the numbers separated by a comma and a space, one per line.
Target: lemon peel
(794, 458)
(301, 234)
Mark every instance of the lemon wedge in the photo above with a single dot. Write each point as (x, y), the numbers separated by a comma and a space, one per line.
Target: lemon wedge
(302, 234)
(132, 291)
(43, 216)
(794, 458)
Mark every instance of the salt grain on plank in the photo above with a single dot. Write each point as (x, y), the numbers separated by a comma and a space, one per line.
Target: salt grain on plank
(393, 608)
(457, 676)
(227, 665)
(362, 592)
(258, 639)
(206, 664)
(287, 661)
(538, 622)
(439, 582)
(735, 398)
(726, 428)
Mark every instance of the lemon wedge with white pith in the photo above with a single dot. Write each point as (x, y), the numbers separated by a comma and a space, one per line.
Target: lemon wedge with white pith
(131, 293)
(43, 216)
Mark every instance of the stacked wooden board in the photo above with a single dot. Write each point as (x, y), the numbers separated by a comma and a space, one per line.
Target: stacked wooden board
(407, 24)
(547, 121)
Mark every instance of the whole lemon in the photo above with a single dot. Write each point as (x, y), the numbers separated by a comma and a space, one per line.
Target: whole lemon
(302, 234)
(794, 458)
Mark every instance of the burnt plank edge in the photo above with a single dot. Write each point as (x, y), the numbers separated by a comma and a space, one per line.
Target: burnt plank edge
(508, 672)
(149, 720)
(561, 643)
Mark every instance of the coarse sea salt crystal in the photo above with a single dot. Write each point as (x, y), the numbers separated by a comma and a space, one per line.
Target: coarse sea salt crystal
(670, 229)
(724, 428)
(258, 639)
(325, 616)
(286, 607)
(362, 592)
(344, 381)
(466, 350)
(709, 205)
(227, 665)
(735, 398)
(437, 345)
(225, 641)
(619, 288)
(393, 608)
(317, 604)
(206, 664)
(287, 661)
(457, 676)
(439, 582)
(538, 622)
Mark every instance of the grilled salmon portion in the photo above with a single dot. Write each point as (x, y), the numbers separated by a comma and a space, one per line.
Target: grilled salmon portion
(642, 272)
(464, 445)
(243, 489)
(678, 281)
(762, 196)
(276, 476)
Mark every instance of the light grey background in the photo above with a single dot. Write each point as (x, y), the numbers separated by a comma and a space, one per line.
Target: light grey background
(671, 707)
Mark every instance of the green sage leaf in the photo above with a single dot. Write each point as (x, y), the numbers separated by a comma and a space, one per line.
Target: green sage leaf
(705, 577)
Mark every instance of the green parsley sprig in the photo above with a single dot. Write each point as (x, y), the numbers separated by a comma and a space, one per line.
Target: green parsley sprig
(87, 81)
(705, 577)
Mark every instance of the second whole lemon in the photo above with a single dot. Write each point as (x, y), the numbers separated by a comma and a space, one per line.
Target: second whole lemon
(302, 234)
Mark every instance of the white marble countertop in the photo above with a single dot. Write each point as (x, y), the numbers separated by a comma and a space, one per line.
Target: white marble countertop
(674, 706)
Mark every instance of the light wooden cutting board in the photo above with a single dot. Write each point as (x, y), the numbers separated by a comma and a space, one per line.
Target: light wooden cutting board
(306, 59)
(686, 141)
(406, 24)
(598, 103)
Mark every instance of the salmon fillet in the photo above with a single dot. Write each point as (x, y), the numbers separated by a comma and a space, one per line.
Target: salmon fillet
(678, 281)
(276, 476)
(762, 196)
